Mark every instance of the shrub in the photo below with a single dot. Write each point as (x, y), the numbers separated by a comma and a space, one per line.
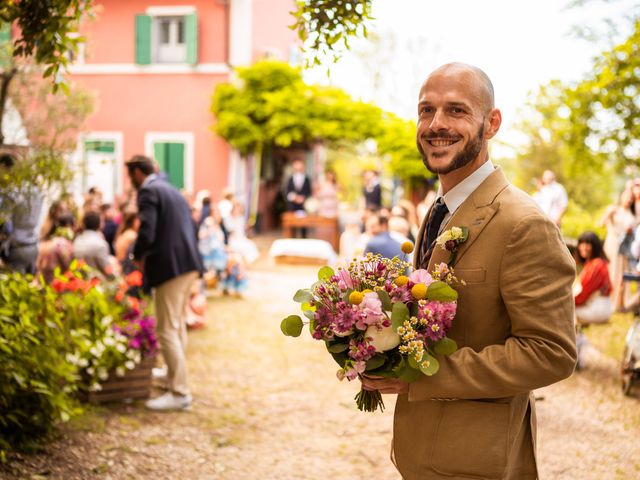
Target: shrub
(36, 380)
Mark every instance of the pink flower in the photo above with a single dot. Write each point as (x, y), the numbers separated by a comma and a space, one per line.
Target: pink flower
(371, 311)
(351, 374)
(421, 276)
(345, 280)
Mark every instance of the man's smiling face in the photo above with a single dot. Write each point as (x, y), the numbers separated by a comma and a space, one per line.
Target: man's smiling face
(451, 117)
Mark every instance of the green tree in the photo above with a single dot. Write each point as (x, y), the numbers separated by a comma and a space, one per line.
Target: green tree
(47, 31)
(325, 26)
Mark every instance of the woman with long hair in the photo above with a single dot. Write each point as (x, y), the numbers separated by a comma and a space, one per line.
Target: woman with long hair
(593, 295)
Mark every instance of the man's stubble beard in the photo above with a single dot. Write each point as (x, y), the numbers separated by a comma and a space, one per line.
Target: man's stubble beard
(461, 159)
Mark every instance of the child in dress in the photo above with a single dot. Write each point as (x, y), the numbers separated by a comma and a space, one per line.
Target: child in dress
(212, 248)
(235, 282)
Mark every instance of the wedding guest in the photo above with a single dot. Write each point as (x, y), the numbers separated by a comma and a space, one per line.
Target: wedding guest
(109, 225)
(23, 218)
(225, 206)
(237, 231)
(126, 235)
(327, 195)
(592, 298)
(56, 248)
(235, 282)
(551, 197)
(167, 251)
(212, 248)
(381, 241)
(91, 246)
(298, 187)
(480, 401)
(423, 207)
(619, 220)
(56, 209)
(372, 191)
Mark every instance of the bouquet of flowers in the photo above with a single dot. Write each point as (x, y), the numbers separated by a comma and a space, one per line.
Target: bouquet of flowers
(377, 318)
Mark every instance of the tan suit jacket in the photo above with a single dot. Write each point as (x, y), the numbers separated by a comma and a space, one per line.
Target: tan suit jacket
(475, 418)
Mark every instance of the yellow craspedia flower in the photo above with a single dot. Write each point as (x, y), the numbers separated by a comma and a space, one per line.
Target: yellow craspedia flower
(367, 290)
(401, 280)
(419, 291)
(407, 247)
(355, 297)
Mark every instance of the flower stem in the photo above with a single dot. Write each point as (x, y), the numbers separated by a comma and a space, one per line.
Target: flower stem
(369, 401)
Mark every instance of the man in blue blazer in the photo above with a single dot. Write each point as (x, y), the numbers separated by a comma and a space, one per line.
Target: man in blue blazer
(167, 251)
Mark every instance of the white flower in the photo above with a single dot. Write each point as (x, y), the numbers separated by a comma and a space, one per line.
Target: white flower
(83, 362)
(120, 371)
(71, 358)
(130, 365)
(90, 371)
(383, 339)
(107, 320)
(95, 387)
(109, 341)
(103, 374)
(121, 347)
(137, 357)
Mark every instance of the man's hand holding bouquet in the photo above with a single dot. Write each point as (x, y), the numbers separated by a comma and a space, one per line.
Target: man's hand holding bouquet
(377, 319)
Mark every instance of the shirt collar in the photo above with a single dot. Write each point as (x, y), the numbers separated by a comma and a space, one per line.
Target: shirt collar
(148, 179)
(458, 194)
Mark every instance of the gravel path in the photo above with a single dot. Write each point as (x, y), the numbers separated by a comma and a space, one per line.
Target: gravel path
(269, 407)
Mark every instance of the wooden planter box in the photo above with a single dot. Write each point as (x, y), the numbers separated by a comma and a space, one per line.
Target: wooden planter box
(135, 384)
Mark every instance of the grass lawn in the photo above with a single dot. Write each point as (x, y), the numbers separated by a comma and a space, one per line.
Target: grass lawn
(609, 338)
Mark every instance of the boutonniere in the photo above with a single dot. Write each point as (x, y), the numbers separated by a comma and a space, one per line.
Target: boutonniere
(451, 239)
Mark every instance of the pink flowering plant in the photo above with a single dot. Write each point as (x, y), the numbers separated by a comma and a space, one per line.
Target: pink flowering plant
(375, 318)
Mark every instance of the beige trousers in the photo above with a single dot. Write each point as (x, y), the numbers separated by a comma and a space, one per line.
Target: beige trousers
(170, 300)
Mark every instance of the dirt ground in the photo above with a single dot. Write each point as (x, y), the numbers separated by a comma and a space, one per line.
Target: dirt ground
(270, 407)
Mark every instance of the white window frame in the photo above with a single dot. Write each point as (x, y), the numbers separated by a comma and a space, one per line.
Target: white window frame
(186, 138)
(108, 136)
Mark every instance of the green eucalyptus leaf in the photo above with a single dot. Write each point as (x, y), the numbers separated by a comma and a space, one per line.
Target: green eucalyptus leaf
(441, 292)
(303, 295)
(385, 299)
(432, 365)
(337, 347)
(399, 314)
(310, 314)
(325, 273)
(445, 346)
(376, 361)
(292, 326)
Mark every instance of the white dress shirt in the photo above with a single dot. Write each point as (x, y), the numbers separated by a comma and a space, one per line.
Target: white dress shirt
(458, 194)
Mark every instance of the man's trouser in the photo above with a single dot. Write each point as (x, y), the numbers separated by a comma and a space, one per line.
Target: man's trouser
(22, 258)
(170, 299)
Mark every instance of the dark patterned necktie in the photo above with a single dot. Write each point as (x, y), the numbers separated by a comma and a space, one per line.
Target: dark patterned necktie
(438, 213)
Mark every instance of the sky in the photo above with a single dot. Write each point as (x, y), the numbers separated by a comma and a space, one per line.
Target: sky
(520, 44)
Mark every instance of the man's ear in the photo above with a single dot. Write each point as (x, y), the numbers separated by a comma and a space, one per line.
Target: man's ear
(494, 120)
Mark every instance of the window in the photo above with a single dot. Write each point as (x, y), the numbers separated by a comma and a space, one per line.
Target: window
(170, 158)
(167, 38)
(170, 46)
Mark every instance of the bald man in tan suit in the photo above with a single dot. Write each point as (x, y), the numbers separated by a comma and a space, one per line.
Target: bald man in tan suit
(475, 418)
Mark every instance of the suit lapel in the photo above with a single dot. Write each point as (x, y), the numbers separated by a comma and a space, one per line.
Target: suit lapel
(475, 213)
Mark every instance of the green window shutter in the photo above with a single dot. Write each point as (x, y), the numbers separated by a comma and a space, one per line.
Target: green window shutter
(160, 155)
(191, 30)
(175, 155)
(170, 158)
(99, 146)
(143, 39)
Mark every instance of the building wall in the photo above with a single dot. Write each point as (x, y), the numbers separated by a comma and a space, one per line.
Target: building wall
(111, 35)
(274, 34)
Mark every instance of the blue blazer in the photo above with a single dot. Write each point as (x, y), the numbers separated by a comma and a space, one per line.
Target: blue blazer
(167, 239)
(384, 245)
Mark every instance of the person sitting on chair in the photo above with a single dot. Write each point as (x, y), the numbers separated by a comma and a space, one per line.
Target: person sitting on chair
(593, 302)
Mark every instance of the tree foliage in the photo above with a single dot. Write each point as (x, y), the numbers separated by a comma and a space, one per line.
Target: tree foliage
(272, 106)
(587, 133)
(47, 31)
(325, 26)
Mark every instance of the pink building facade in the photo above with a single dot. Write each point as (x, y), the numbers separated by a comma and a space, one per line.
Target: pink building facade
(153, 66)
